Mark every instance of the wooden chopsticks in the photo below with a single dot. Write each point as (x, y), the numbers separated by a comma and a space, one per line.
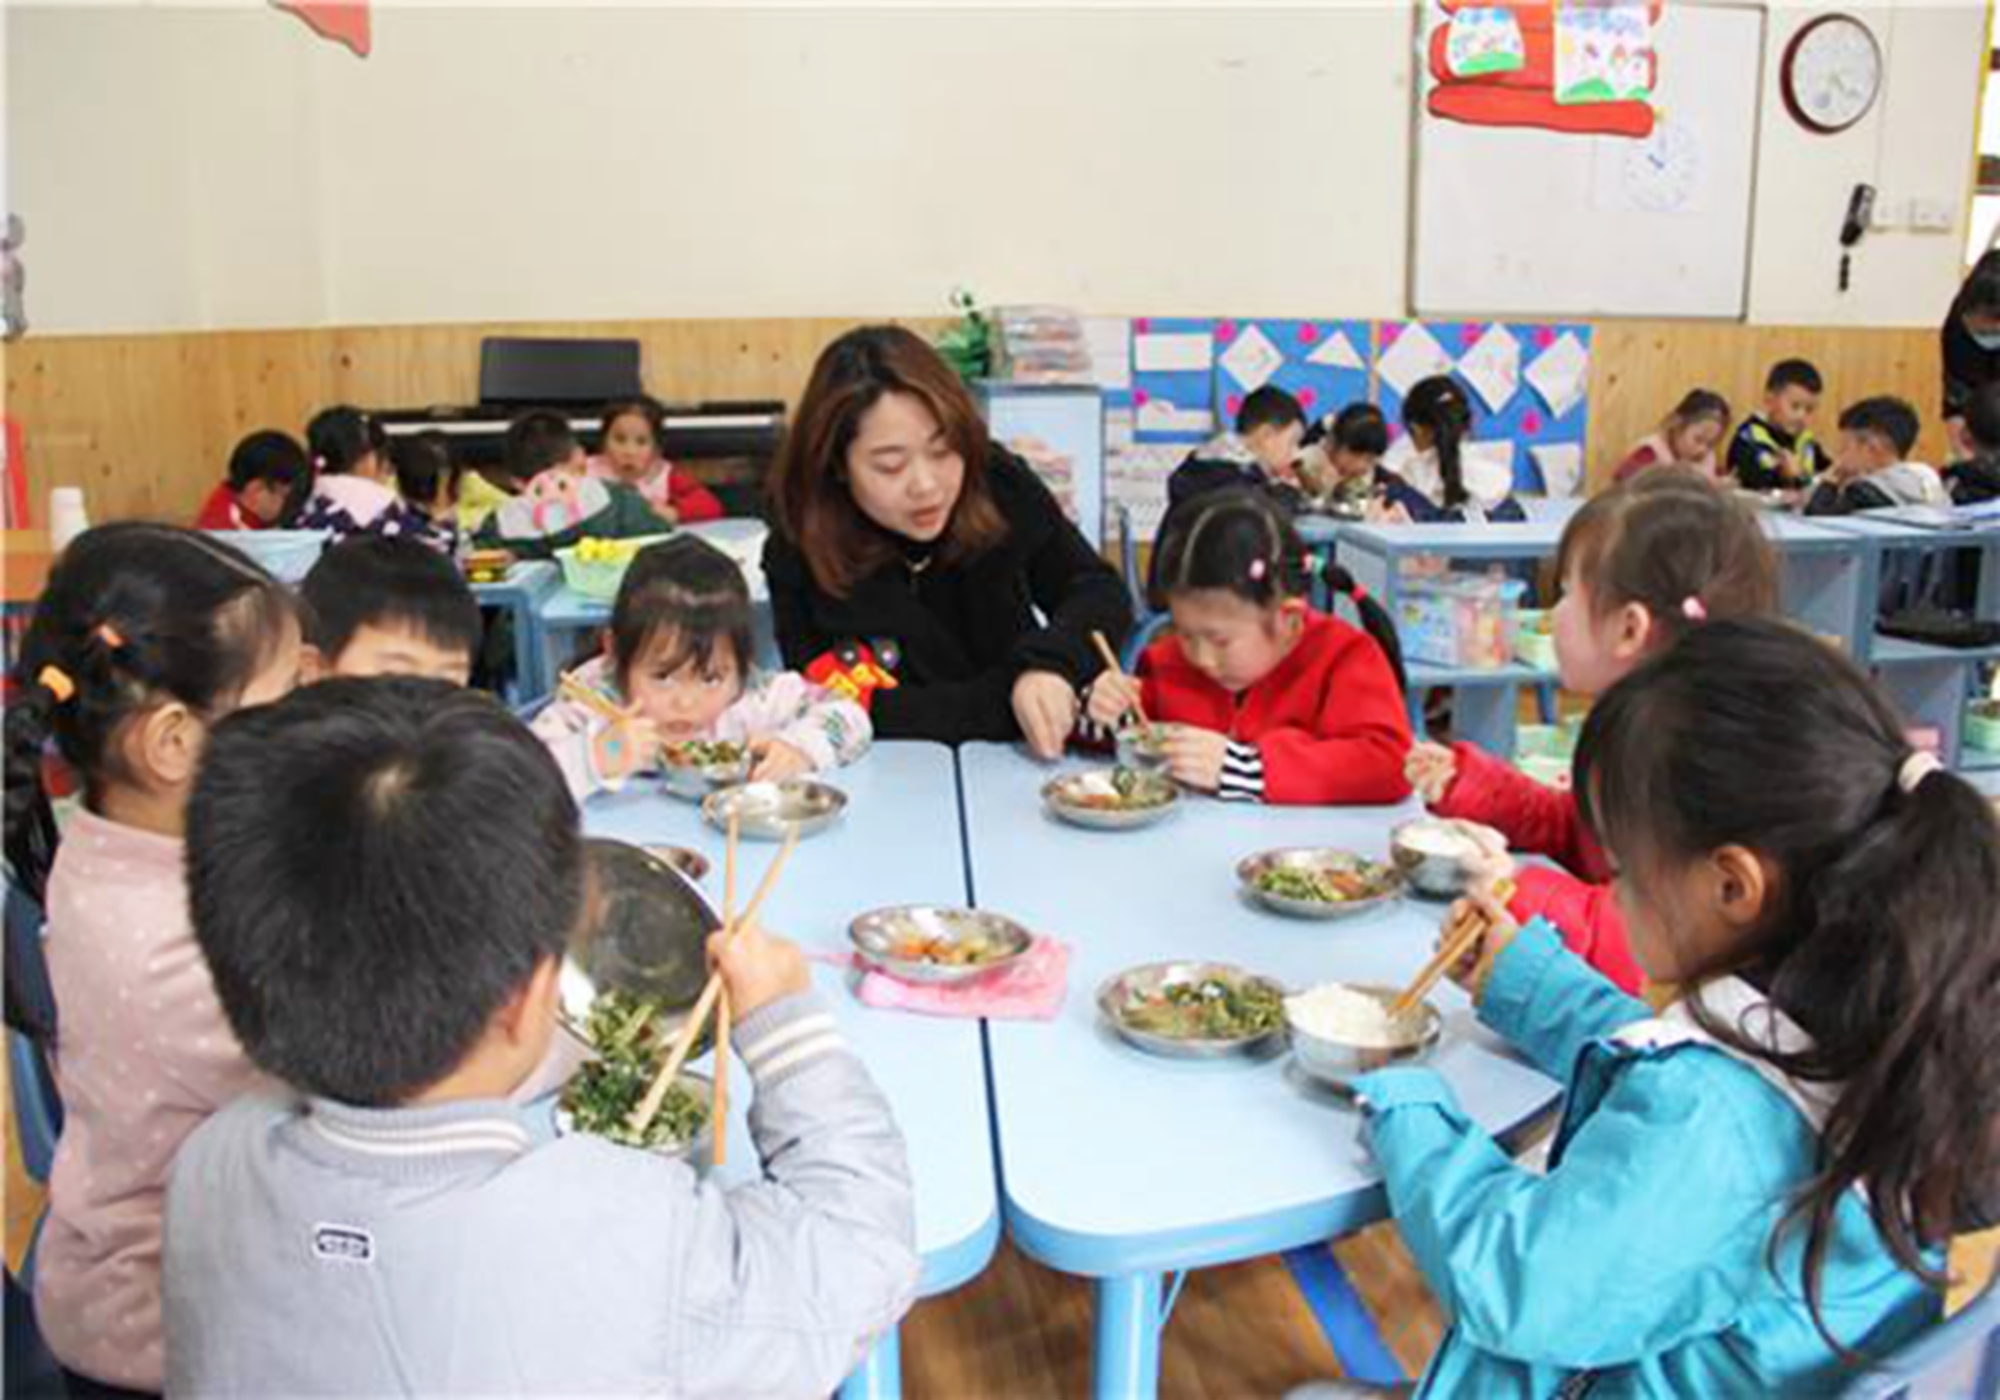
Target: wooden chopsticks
(572, 687)
(1469, 929)
(719, 1141)
(649, 1107)
(1111, 663)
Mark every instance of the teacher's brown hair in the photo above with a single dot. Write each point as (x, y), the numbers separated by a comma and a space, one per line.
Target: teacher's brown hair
(810, 496)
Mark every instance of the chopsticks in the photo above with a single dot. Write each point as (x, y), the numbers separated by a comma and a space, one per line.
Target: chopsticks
(1111, 663)
(719, 1141)
(1471, 927)
(649, 1107)
(571, 687)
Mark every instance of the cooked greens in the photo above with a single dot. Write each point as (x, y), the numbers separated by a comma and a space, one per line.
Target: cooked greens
(1212, 1008)
(625, 1032)
(1321, 886)
(704, 753)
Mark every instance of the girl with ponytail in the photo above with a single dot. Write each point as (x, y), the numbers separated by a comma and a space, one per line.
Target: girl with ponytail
(145, 636)
(1437, 414)
(1753, 1192)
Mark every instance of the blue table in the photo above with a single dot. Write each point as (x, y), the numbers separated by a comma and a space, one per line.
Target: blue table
(1123, 1167)
(521, 594)
(899, 842)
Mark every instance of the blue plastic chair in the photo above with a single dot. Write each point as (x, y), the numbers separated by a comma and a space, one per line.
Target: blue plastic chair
(1128, 558)
(1142, 637)
(38, 1113)
(1960, 1358)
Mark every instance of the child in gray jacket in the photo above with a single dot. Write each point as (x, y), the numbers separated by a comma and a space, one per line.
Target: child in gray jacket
(383, 875)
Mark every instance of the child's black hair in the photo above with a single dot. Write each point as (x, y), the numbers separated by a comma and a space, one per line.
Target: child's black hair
(340, 437)
(1891, 419)
(536, 441)
(1268, 407)
(1882, 940)
(424, 464)
(132, 616)
(269, 455)
(1360, 428)
(374, 868)
(1982, 416)
(641, 406)
(1981, 296)
(1441, 407)
(1794, 374)
(1240, 541)
(384, 581)
(1698, 404)
(688, 587)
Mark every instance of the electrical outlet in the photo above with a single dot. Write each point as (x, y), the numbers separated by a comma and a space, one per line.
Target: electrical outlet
(1885, 216)
(1931, 216)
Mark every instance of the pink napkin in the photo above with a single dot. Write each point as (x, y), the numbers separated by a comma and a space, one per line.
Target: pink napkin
(1031, 990)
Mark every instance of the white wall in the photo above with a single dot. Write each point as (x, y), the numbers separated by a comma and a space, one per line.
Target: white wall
(1917, 143)
(192, 167)
(222, 168)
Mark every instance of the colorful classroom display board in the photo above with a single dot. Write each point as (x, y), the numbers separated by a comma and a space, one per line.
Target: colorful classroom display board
(1529, 386)
(1172, 383)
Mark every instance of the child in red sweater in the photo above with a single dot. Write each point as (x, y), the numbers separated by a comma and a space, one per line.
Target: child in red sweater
(629, 453)
(1640, 565)
(1264, 698)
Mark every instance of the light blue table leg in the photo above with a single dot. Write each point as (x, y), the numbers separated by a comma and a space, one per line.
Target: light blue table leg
(880, 1374)
(1486, 715)
(1128, 1337)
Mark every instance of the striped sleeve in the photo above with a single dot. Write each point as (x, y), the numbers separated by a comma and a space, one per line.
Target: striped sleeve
(784, 1038)
(1242, 773)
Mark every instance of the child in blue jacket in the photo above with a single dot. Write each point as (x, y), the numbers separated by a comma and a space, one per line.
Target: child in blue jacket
(1754, 1191)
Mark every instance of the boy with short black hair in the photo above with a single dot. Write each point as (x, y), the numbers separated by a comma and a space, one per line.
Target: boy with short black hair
(385, 606)
(560, 504)
(269, 476)
(383, 876)
(539, 440)
(1775, 450)
(1873, 470)
(1263, 452)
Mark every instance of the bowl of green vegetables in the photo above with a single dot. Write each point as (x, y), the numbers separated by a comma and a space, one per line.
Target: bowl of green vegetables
(1306, 882)
(1194, 1010)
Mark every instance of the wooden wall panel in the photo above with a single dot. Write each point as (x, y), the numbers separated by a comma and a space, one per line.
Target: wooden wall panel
(145, 423)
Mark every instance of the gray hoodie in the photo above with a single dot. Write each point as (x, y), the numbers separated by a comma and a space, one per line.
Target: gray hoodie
(317, 1248)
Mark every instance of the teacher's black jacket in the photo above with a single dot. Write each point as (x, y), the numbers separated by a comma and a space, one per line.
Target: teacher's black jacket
(958, 636)
(1966, 364)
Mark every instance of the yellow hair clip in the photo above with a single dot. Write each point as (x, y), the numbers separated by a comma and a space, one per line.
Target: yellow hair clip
(57, 682)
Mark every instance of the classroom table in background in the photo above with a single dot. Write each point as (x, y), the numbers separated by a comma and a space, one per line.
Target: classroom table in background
(568, 620)
(898, 843)
(1123, 1167)
(527, 585)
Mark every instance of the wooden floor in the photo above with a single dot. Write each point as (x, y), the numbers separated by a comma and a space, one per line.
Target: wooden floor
(1020, 1329)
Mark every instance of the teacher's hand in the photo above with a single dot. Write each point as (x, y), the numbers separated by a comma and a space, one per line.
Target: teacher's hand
(1045, 708)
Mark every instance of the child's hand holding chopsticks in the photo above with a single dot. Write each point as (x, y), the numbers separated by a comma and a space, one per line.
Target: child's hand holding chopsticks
(757, 968)
(1487, 905)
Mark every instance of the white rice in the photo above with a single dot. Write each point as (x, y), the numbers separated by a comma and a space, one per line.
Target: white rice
(1337, 1012)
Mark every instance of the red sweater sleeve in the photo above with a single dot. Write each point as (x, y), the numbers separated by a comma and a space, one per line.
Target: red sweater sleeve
(1355, 750)
(218, 512)
(1586, 915)
(692, 502)
(1532, 816)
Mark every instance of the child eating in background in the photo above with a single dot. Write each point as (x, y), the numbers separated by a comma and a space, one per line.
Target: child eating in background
(1688, 437)
(427, 482)
(560, 504)
(1750, 1194)
(384, 876)
(1263, 452)
(1977, 479)
(353, 491)
(269, 477)
(1448, 483)
(1261, 698)
(388, 607)
(678, 661)
(1642, 566)
(1775, 450)
(1348, 458)
(144, 638)
(1873, 470)
(630, 453)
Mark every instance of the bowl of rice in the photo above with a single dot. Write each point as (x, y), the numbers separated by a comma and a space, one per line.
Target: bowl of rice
(1342, 1030)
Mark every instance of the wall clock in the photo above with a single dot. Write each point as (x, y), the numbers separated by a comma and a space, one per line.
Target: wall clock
(1831, 74)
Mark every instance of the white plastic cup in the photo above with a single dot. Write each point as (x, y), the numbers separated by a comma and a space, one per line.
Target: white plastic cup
(67, 517)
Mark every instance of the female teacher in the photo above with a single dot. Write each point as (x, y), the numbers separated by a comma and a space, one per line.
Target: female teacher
(918, 561)
(1971, 342)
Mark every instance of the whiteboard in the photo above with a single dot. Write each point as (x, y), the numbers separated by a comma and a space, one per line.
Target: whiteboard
(1523, 222)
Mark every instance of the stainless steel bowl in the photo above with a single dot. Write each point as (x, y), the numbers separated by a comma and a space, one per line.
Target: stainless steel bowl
(1251, 870)
(1339, 1064)
(1116, 999)
(1431, 875)
(695, 781)
(692, 864)
(1139, 748)
(767, 811)
(650, 938)
(878, 934)
(696, 1151)
(1065, 796)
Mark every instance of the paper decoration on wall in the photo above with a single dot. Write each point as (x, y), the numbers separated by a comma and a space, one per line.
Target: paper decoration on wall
(1528, 95)
(1109, 339)
(1561, 466)
(1529, 383)
(1482, 41)
(1173, 379)
(1316, 362)
(1604, 53)
(341, 21)
(1135, 478)
(1664, 174)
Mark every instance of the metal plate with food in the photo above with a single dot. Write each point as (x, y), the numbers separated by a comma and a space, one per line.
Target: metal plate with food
(1194, 1010)
(697, 767)
(1111, 799)
(1341, 1031)
(1307, 882)
(1142, 747)
(600, 1097)
(927, 943)
(648, 945)
(1442, 857)
(768, 811)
